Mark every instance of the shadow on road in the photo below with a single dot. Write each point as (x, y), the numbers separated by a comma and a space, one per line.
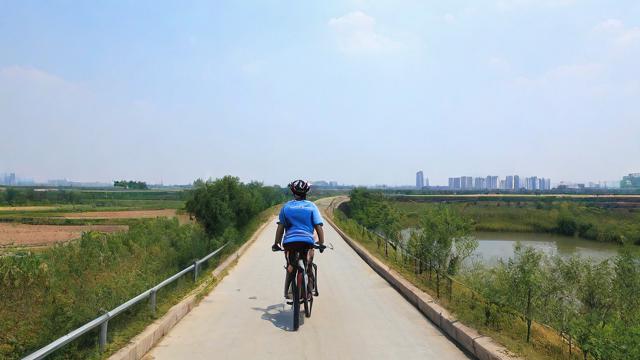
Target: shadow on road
(279, 315)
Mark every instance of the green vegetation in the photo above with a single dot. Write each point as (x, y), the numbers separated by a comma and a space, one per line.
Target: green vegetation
(48, 294)
(542, 307)
(133, 185)
(20, 196)
(227, 203)
(589, 221)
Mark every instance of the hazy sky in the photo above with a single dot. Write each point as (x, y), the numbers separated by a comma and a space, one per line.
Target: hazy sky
(357, 91)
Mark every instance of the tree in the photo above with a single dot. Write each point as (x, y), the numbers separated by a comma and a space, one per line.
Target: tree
(524, 278)
(594, 294)
(443, 240)
(226, 202)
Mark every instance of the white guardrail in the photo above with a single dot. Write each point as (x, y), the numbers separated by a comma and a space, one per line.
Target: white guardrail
(103, 321)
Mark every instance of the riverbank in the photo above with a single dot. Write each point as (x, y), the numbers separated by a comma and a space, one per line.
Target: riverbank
(612, 225)
(586, 306)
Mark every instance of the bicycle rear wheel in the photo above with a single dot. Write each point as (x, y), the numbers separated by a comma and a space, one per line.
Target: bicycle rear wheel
(305, 296)
(296, 304)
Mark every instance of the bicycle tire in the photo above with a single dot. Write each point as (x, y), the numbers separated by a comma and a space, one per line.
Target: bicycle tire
(305, 296)
(296, 304)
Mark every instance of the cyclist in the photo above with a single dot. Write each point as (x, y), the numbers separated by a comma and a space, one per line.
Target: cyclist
(297, 220)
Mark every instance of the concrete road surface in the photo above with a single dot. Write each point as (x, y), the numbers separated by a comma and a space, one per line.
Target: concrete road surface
(357, 315)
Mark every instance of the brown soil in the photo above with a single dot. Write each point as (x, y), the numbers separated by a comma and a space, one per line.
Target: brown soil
(127, 214)
(30, 235)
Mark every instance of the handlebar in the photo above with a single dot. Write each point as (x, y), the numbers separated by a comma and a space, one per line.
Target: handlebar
(320, 247)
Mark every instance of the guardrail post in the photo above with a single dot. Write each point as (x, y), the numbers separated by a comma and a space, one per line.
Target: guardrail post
(152, 301)
(195, 270)
(103, 335)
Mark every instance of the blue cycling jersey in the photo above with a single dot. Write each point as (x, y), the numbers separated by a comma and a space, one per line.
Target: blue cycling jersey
(299, 218)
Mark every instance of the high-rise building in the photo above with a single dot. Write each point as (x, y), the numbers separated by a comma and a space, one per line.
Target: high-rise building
(10, 179)
(502, 184)
(456, 183)
(451, 183)
(426, 182)
(516, 183)
(419, 179)
(479, 183)
(631, 181)
(466, 182)
(508, 183)
(492, 182)
(532, 183)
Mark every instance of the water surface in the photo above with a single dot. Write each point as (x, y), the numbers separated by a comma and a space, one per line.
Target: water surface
(493, 246)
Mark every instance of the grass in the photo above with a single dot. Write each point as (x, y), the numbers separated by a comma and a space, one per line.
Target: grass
(467, 306)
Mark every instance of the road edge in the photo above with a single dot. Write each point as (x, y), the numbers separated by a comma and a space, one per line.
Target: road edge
(142, 343)
(480, 346)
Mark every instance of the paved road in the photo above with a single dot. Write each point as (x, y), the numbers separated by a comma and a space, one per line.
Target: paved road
(357, 316)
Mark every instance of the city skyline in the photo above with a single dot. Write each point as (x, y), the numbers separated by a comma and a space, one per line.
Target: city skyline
(472, 182)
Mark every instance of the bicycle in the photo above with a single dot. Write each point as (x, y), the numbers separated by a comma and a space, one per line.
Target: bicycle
(304, 285)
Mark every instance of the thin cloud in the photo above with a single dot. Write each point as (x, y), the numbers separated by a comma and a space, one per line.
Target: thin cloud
(621, 35)
(356, 33)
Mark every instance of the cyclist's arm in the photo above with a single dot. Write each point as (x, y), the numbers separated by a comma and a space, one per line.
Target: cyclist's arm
(320, 232)
(279, 233)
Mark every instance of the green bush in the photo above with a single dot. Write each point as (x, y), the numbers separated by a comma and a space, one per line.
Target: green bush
(223, 203)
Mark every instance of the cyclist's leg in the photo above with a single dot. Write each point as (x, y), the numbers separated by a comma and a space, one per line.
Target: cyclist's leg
(288, 273)
(290, 256)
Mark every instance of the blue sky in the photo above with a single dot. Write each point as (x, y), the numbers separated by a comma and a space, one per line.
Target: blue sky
(362, 91)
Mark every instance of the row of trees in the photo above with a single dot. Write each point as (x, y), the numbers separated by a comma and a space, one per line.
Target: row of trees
(131, 185)
(594, 305)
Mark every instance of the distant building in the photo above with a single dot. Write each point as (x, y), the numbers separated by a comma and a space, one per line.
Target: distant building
(479, 183)
(508, 183)
(544, 184)
(491, 182)
(419, 179)
(426, 182)
(631, 181)
(516, 183)
(10, 179)
(466, 183)
(502, 185)
(456, 184)
(532, 183)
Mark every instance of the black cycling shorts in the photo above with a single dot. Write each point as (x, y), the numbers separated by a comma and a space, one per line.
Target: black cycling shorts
(296, 246)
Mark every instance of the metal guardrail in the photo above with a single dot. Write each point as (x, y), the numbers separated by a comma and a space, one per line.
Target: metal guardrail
(103, 320)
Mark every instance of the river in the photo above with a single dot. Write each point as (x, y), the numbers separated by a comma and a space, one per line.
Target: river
(493, 246)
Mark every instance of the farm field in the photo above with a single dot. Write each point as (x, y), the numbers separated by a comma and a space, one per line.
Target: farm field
(125, 214)
(40, 222)
(12, 234)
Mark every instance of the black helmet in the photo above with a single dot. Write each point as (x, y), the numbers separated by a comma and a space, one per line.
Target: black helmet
(299, 187)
